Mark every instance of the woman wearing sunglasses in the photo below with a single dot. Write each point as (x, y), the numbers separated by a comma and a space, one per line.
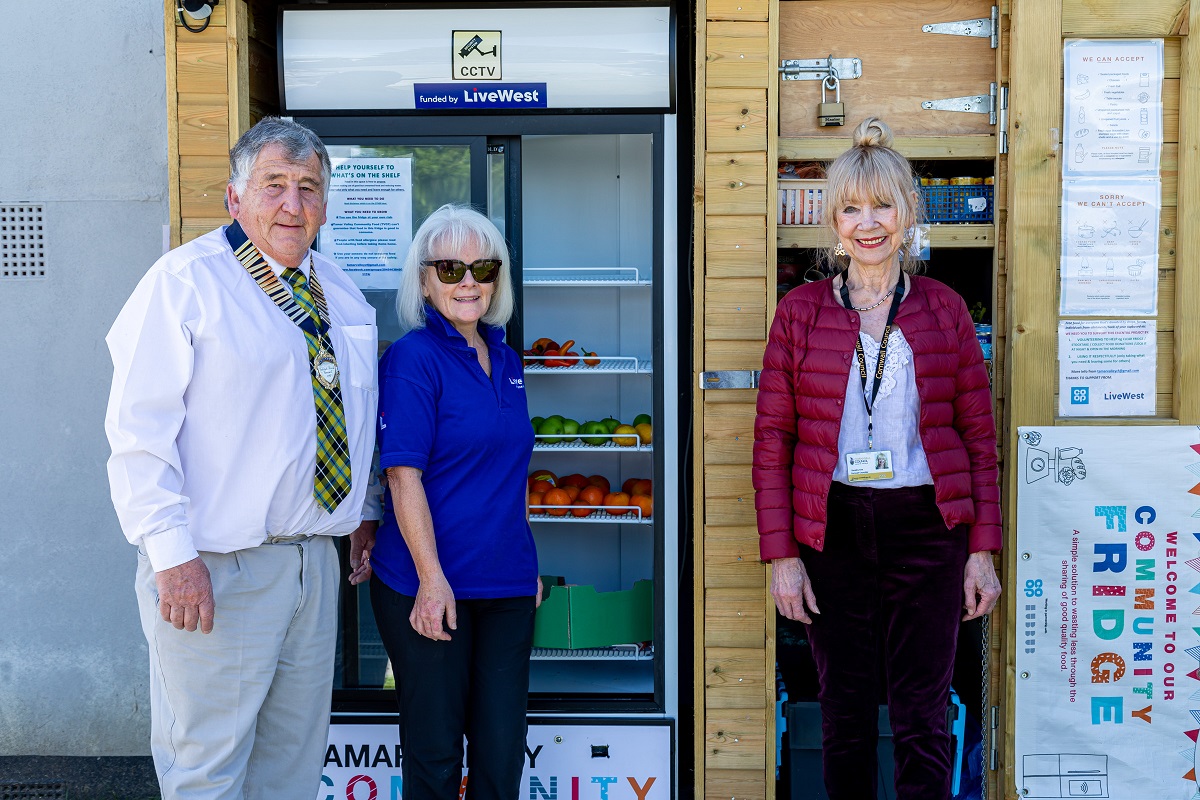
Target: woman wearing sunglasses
(455, 572)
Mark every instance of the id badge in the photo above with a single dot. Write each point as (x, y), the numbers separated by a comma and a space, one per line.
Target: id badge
(869, 465)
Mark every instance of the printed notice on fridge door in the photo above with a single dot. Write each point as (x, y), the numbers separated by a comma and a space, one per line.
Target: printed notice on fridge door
(1106, 368)
(1112, 107)
(369, 225)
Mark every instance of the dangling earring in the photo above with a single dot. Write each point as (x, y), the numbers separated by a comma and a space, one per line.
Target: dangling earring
(838, 250)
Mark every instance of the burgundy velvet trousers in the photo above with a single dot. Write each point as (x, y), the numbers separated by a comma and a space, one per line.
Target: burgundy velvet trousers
(889, 584)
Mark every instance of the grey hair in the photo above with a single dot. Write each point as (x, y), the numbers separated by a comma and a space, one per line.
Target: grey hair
(448, 230)
(298, 142)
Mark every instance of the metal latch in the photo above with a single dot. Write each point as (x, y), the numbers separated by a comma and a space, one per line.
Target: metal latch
(730, 379)
(972, 104)
(982, 27)
(817, 69)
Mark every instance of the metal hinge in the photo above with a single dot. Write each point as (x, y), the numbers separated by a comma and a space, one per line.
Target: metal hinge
(730, 379)
(982, 27)
(994, 749)
(1002, 128)
(817, 69)
(971, 104)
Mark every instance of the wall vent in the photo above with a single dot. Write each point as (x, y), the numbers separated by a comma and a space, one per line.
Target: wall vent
(22, 255)
(31, 791)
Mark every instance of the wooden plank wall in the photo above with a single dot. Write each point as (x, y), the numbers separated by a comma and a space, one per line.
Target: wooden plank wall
(737, 50)
(207, 109)
(1031, 279)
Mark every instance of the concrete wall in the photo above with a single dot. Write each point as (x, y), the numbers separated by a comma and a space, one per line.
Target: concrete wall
(82, 97)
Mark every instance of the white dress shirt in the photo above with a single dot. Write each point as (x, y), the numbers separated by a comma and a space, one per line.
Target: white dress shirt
(897, 411)
(211, 417)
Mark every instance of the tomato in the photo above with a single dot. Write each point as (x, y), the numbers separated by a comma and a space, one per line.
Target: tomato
(599, 480)
(592, 495)
(643, 486)
(572, 491)
(581, 509)
(574, 479)
(646, 504)
(557, 497)
(616, 499)
(541, 486)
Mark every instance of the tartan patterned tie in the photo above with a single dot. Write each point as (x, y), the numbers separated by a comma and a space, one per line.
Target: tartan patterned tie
(332, 480)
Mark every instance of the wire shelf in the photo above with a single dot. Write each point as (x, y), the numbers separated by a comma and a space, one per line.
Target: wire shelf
(540, 513)
(625, 365)
(576, 446)
(618, 652)
(584, 276)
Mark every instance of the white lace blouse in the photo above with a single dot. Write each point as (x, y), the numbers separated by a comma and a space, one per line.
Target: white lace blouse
(897, 414)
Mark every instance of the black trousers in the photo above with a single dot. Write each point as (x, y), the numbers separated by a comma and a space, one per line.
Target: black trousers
(889, 583)
(476, 684)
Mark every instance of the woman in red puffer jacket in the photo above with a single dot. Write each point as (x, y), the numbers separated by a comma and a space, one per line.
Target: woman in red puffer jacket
(875, 478)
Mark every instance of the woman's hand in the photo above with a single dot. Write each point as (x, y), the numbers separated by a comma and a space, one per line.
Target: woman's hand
(537, 601)
(434, 602)
(792, 590)
(981, 587)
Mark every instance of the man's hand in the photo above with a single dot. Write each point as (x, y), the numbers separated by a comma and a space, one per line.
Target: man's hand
(185, 596)
(981, 587)
(792, 590)
(362, 542)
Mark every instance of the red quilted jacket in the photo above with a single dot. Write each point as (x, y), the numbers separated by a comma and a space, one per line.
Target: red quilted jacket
(802, 390)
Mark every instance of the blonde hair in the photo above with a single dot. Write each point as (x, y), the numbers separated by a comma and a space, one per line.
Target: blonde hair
(871, 171)
(449, 229)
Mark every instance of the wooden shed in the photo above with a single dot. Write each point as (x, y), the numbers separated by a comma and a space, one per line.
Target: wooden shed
(748, 120)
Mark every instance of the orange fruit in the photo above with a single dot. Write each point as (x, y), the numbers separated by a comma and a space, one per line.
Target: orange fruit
(557, 497)
(642, 486)
(535, 499)
(613, 499)
(572, 491)
(601, 481)
(592, 495)
(646, 504)
(627, 486)
(574, 479)
(543, 475)
(581, 509)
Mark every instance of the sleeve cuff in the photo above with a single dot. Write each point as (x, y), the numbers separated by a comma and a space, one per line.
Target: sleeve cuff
(984, 537)
(169, 548)
(780, 544)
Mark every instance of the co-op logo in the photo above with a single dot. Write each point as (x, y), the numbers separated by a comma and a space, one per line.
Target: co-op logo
(475, 56)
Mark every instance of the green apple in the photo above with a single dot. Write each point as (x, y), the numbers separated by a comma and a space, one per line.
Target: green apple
(641, 419)
(557, 417)
(610, 424)
(589, 430)
(536, 421)
(552, 428)
(570, 430)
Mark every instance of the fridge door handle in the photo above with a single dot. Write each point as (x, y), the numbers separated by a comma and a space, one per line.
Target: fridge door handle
(730, 379)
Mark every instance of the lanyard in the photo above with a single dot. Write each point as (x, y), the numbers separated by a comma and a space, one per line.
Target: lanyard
(245, 252)
(869, 400)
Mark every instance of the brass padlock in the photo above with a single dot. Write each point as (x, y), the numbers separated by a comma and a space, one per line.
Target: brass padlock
(829, 114)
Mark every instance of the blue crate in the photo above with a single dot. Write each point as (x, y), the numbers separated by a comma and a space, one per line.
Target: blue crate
(958, 203)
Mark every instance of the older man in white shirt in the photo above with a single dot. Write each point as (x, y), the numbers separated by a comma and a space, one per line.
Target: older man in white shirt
(241, 421)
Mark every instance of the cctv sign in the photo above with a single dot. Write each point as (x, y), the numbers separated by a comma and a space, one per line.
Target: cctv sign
(475, 56)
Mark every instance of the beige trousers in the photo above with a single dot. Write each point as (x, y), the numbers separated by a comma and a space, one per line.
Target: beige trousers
(242, 713)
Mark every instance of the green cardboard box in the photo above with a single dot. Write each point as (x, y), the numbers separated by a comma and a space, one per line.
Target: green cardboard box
(574, 617)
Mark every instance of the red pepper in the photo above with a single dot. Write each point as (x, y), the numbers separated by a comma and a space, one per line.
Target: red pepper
(553, 362)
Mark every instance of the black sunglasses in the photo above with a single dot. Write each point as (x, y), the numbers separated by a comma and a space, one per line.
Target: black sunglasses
(452, 270)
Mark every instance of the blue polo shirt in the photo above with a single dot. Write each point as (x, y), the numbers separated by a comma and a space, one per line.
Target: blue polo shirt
(470, 435)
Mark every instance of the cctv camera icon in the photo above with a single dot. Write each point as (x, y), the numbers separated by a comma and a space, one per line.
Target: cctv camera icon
(1065, 465)
(473, 46)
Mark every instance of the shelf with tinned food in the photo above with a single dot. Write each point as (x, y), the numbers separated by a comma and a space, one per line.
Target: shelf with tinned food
(617, 652)
(543, 444)
(585, 276)
(947, 235)
(604, 365)
(629, 515)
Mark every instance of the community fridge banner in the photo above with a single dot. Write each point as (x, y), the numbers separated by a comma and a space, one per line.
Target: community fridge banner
(1108, 612)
